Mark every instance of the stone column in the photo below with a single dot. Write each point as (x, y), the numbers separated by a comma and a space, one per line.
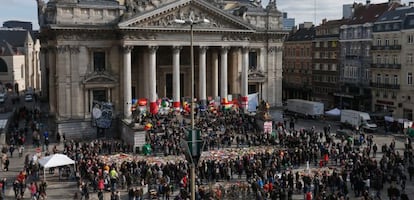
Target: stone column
(152, 75)
(214, 74)
(43, 63)
(278, 75)
(51, 62)
(63, 81)
(261, 64)
(127, 81)
(223, 70)
(244, 78)
(202, 77)
(176, 77)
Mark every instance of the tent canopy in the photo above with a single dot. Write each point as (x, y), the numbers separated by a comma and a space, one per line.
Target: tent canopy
(333, 112)
(55, 160)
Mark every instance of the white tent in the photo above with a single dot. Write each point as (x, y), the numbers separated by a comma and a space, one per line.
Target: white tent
(55, 160)
(333, 112)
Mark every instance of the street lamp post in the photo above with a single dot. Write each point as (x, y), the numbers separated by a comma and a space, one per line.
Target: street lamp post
(191, 23)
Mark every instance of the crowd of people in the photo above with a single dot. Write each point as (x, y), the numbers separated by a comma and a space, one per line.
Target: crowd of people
(310, 162)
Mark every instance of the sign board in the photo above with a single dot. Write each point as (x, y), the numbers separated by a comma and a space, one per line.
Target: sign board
(267, 127)
(139, 139)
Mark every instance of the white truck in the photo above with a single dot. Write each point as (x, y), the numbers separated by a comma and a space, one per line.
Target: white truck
(304, 107)
(358, 119)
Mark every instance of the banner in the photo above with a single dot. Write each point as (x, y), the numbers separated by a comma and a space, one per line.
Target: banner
(253, 102)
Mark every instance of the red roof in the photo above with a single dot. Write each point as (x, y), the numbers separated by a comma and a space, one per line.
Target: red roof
(369, 13)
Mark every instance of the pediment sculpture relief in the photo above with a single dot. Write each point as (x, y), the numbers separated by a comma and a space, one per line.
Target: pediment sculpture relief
(99, 77)
(188, 12)
(138, 6)
(185, 13)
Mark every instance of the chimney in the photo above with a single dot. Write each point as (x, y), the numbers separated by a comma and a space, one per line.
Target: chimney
(368, 2)
(411, 3)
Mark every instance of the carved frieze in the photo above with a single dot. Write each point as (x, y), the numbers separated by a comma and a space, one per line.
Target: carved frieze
(86, 35)
(186, 12)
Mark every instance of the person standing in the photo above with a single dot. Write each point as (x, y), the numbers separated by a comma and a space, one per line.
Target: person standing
(6, 162)
(33, 190)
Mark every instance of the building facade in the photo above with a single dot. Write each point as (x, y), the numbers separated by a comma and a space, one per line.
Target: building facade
(392, 63)
(326, 61)
(288, 23)
(111, 51)
(19, 59)
(356, 41)
(297, 64)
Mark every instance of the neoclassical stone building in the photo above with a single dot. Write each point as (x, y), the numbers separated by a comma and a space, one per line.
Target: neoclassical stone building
(116, 51)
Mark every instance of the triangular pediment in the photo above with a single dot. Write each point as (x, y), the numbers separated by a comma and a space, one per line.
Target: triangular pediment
(99, 78)
(163, 17)
(256, 76)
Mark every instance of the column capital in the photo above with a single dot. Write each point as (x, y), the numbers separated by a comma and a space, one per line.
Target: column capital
(63, 49)
(225, 49)
(275, 49)
(127, 48)
(153, 49)
(74, 49)
(177, 49)
(203, 49)
(245, 49)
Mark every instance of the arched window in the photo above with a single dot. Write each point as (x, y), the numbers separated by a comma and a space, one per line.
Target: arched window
(3, 65)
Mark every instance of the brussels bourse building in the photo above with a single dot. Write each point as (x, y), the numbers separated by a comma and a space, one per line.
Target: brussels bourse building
(115, 51)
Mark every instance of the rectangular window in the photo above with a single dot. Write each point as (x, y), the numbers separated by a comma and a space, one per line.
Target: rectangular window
(410, 78)
(395, 42)
(396, 80)
(409, 58)
(395, 59)
(378, 59)
(386, 79)
(317, 66)
(410, 39)
(99, 95)
(378, 42)
(378, 78)
(99, 61)
(252, 60)
(394, 95)
(387, 42)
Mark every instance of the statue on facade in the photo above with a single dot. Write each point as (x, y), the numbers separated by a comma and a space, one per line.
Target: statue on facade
(41, 7)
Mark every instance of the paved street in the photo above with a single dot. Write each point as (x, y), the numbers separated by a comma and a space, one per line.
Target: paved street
(66, 188)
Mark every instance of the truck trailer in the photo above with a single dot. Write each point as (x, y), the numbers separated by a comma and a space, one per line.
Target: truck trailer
(357, 119)
(305, 108)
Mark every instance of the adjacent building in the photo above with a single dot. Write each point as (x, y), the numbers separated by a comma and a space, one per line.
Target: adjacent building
(297, 63)
(288, 23)
(110, 51)
(326, 61)
(19, 57)
(356, 41)
(393, 64)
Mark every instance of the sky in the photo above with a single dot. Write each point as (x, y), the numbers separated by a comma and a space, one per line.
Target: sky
(302, 10)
